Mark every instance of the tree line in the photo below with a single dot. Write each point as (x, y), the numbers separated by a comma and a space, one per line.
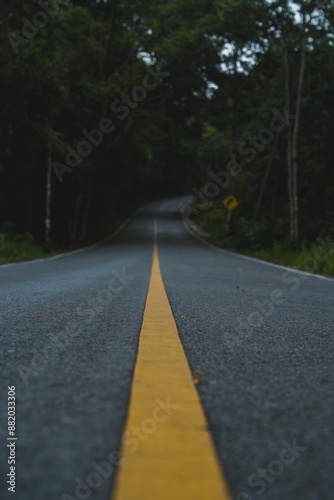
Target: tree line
(108, 104)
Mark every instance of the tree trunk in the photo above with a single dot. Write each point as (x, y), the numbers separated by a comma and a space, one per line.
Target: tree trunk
(75, 221)
(294, 152)
(288, 129)
(85, 216)
(265, 178)
(47, 236)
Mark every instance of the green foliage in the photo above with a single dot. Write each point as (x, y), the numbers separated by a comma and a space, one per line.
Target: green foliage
(18, 247)
(213, 219)
(226, 74)
(304, 260)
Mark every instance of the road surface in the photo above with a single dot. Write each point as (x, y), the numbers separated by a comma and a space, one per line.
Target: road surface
(259, 341)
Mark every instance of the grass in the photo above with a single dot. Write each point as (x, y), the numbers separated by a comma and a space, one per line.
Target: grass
(247, 240)
(21, 247)
(16, 247)
(306, 259)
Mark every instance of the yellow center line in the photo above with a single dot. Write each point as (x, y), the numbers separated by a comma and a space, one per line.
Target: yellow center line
(167, 449)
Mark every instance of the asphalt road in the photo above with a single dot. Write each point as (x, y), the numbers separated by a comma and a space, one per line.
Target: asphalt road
(259, 340)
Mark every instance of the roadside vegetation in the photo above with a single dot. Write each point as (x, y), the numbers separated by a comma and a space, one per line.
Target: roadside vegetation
(20, 247)
(108, 105)
(253, 240)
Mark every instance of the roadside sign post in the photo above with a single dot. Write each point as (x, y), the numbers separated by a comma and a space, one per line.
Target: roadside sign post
(230, 203)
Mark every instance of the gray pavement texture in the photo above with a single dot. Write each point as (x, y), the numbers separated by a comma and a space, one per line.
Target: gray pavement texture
(260, 339)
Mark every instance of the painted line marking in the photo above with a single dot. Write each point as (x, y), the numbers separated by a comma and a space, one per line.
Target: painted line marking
(174, 457)
(196, 235)
(78, 250)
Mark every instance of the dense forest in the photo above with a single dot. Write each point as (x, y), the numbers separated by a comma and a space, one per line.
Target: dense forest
(106, 105)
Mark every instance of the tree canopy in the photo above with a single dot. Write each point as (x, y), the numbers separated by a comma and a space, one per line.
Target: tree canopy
(108, 104)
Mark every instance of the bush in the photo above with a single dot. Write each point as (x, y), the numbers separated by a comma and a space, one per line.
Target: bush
(17, 247)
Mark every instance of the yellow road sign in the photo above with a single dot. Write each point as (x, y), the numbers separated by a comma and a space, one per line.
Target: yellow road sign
(230, 202)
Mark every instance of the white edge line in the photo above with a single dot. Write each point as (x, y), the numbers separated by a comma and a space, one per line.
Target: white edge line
(266, 263)
(65, 254)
